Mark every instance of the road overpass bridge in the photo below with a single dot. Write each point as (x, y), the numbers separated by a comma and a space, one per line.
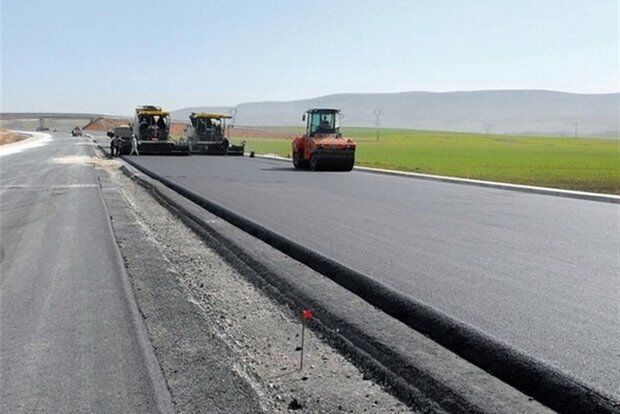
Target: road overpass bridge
(42, 116)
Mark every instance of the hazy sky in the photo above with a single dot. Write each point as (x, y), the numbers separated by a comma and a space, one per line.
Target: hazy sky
(108, 56)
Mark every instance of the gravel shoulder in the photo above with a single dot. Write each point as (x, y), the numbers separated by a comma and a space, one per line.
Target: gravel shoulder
(244, 338)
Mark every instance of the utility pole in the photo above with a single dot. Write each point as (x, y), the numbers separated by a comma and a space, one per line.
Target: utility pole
(233, 114)
(377, 113)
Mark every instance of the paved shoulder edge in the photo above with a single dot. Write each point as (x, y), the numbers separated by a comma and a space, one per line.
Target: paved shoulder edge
(557, 192)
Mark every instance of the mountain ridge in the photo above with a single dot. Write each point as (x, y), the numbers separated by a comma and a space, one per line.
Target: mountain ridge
(520, 111)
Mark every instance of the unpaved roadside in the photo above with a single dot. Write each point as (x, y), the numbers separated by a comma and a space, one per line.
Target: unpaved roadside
(263, 336)
(9, 137)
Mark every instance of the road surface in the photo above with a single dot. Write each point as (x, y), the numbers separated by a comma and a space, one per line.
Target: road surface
(67, 340)
(538, 272)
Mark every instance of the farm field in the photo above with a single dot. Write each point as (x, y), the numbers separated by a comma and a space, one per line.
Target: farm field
(568, 163)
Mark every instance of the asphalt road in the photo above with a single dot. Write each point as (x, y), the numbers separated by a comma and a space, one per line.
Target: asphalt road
(67, 340)
(538, 272)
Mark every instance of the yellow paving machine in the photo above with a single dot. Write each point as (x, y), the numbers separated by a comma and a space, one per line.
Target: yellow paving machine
(206, 134)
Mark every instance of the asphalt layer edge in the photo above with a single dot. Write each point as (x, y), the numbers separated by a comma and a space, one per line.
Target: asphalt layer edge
(159, 385)
(537, 379)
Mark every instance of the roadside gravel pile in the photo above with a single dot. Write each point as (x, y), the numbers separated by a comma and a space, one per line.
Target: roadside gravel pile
(263, 336)
(104, 124)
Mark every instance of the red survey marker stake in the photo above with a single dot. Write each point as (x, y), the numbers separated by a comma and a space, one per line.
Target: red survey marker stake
(306, 315)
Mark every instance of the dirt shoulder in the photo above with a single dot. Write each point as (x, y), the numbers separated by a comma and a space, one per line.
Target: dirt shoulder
(9, 137)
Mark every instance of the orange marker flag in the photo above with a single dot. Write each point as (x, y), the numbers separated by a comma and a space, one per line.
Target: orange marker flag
(306, 314)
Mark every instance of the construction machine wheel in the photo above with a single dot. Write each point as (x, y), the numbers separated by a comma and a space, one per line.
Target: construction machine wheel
(346, 165)
(315, 162)
(298, 160)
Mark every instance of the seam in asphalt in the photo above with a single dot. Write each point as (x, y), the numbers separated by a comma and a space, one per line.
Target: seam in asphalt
(159, 386)
(557, 192)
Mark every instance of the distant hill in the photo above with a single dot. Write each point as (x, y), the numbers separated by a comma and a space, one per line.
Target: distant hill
(528, 112)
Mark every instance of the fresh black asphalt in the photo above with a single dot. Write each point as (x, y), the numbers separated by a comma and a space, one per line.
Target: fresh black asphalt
(68, 338)
(537, 272)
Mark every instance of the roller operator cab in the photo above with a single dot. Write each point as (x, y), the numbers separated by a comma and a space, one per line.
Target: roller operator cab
(206, 134)
(151, 127)
(323, 147)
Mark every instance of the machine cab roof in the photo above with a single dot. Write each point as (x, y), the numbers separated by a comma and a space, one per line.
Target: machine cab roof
(151, 110)
(322, 121)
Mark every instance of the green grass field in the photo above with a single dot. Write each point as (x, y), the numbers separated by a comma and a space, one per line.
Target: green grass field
(577, 164)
